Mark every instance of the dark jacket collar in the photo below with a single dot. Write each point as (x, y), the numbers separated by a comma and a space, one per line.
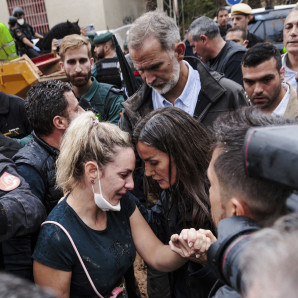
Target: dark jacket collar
(52, 150)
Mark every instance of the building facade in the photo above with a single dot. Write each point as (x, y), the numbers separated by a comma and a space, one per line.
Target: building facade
(103, 14)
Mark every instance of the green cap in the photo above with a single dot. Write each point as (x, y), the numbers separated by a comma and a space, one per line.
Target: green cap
(102, 38)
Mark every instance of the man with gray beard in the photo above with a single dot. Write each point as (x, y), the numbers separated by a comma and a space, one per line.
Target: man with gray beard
(170, 80)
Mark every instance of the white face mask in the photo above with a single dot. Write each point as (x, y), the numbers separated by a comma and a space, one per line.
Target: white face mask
(21, 22)
(101, 202)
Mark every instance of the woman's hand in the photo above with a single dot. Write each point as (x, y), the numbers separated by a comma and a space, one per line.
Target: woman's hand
(192, 244)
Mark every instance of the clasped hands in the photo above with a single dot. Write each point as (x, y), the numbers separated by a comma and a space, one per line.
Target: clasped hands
(193, 244)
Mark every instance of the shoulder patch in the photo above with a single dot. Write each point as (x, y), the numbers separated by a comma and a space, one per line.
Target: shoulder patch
(116, 90)
(9, 182)
(19, 33)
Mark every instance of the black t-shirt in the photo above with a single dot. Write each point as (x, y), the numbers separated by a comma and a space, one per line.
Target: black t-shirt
(106, 254)
(232, 69)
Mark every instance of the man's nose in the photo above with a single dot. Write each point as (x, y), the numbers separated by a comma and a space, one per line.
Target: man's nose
(149, 77)
(258, 88)
(294, 31)
(78, 67)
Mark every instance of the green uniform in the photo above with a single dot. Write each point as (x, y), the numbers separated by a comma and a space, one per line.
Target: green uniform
(100, 95)
(7, 45)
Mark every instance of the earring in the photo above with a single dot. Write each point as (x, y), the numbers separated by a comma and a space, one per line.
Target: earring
(92, 181)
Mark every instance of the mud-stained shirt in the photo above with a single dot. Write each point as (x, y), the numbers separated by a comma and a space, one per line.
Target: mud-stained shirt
(107, 254)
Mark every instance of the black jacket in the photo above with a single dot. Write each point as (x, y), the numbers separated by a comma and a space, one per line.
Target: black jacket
(21, 212)
(42, 157)
(13, 120)
(218, 95)
(228, 61)
(192, 280)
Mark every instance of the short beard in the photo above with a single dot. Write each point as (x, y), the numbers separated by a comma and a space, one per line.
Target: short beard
(172, 81)
(79, 83)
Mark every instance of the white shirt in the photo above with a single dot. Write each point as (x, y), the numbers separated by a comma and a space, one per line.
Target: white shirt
(290, 75)
(188, 98)
(281, 108)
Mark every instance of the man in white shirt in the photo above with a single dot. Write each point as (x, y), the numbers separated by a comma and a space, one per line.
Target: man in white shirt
(290, 59)
(263, 78)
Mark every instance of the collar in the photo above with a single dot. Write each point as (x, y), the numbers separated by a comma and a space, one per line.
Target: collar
(284, 61)
(91, 91)
(193, 78)
(52, 150)
(281, 108)
(186, 95)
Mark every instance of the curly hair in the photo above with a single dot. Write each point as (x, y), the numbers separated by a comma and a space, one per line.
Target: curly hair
(44, 101)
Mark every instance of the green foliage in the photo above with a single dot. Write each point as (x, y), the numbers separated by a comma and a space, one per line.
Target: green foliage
(191, 9)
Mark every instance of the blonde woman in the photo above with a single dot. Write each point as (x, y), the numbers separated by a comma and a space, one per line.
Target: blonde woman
(95, 169)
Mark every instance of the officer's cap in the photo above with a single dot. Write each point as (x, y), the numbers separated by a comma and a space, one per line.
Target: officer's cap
(18, 12)
(12, 20)
(102, 38)
(241, 8)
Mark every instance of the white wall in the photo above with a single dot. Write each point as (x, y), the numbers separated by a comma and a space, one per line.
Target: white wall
(4, 13)
(87, 11)
(119, 12)
(102, 14)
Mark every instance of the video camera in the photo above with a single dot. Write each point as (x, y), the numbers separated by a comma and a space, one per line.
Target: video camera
(269, 153)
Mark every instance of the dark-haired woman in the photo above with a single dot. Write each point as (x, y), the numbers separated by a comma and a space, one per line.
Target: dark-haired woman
(175, 149)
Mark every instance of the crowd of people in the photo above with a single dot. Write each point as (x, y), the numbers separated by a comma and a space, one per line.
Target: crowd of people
(90, 175)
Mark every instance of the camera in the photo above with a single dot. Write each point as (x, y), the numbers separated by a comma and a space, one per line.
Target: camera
(269, 153)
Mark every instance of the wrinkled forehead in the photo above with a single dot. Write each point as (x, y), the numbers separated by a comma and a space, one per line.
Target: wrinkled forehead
(292, 17)
(150, 51)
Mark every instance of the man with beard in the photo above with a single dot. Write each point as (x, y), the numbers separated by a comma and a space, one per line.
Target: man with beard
(263, 78)
(106, 68)
(77, 62)
(157, 54)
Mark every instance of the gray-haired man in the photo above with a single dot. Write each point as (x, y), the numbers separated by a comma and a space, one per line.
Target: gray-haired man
(157, 53)
(220, 55)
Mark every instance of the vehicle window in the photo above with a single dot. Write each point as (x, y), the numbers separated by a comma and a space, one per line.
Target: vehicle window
(274, 30)
(260, 31)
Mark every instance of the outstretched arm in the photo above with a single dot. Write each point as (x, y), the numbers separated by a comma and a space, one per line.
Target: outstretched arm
(153, 251)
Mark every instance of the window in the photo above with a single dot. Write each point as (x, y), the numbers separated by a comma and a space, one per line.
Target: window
(35, 13)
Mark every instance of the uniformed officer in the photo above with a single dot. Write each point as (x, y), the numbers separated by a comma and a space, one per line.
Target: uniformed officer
(7, 45)
(106, 69)
(24, 33)
(13, 120)
(21, 212)
(12, 21)
(104, 99)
